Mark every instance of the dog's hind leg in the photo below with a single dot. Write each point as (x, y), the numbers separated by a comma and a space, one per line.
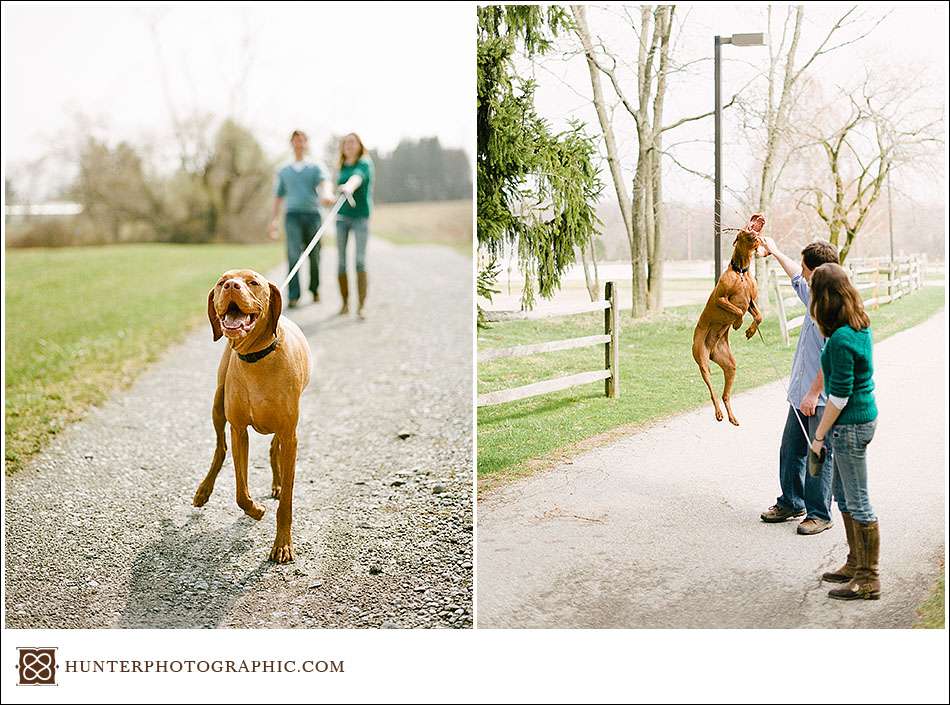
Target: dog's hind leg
(275, 466)
(722, 356)
(206, 487)
(701, 356)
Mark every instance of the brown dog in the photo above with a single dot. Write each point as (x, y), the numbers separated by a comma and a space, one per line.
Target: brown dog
(735, 293)
(262, 373)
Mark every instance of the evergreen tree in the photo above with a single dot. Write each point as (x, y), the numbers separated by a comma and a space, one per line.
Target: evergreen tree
(537, 190)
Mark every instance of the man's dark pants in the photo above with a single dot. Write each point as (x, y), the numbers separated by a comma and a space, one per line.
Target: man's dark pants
(799, 489)
(300, 227)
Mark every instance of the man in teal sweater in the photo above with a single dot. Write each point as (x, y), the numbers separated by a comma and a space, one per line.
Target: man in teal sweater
(298, 185)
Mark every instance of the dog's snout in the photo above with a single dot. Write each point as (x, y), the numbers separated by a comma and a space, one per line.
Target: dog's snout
(232, 284)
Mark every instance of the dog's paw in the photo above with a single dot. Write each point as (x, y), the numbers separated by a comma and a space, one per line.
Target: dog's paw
(282, 552)
(275, 491)
(254, 510)
(749, 332)
(733, 421)
(737, 324)
(718, 415)
(202, 495)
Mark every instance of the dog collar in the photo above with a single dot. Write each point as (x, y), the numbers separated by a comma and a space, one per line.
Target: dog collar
(260, 354)
(740, 270)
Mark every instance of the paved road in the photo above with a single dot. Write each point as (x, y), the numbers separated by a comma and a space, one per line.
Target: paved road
(100, 531)
(661, 528)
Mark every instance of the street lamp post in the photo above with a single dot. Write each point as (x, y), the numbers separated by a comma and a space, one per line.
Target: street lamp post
(740, 40)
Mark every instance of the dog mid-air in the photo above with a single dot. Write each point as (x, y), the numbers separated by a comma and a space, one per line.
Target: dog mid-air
(735, 293)
(263, 371)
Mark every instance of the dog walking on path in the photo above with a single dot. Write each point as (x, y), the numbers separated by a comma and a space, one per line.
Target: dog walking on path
(263, 371)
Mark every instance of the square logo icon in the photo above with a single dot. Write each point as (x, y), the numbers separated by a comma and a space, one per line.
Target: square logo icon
(37, 666)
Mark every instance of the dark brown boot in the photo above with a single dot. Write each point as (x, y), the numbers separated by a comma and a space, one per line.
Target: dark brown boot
(845, 572)
(344, 293)
(362, 284)
(866, 583)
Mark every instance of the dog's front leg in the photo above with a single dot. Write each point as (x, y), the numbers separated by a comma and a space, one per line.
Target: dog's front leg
(220, 451)
(283, 550)
(725, 304)
(239, 443)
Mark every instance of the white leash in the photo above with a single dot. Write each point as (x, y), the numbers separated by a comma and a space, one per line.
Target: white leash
(344, 198)
(782, 380)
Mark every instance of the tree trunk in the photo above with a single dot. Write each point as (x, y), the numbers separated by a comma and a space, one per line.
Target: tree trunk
(591, 278)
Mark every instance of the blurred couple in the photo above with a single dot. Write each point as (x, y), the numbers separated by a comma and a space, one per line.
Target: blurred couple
(300, 188)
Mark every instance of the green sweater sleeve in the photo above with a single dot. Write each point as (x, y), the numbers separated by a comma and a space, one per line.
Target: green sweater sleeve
(841, 382)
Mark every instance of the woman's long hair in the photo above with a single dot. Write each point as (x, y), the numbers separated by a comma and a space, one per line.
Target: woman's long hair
(834, 300)
(358, 140)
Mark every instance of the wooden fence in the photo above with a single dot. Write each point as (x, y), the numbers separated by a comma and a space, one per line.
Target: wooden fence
(610, 339)
(878, 280)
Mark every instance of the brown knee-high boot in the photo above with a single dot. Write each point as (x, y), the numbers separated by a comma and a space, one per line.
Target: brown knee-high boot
(361, 286)
(344, 293)
(866, 583)
(845, 572)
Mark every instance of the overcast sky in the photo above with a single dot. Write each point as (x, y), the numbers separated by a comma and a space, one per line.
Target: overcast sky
(910, 44)
(384, 71)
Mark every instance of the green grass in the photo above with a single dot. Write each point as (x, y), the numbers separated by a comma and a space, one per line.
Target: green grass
(930, 615)
(657, 372)
(438, 222)
(84, 321)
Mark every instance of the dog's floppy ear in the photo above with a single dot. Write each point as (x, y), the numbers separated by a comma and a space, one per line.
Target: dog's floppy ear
(213, 317)
(274, 307)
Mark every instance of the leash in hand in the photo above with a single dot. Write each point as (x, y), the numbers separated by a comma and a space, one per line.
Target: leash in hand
(815, 462)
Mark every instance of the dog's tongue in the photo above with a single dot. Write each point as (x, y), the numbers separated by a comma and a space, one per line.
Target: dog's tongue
(235, 319)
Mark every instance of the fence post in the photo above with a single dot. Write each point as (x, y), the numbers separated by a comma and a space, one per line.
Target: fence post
(782, 320)
(890, 282)
(612, 347)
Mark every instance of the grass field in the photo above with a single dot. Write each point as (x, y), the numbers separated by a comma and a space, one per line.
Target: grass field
(658, 378)
(931, 615)
(83, 321)
(441, 222)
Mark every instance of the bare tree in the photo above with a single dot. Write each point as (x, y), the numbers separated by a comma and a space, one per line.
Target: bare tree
(588, 253)
(882, 129)
(642, 206)
(773, 117)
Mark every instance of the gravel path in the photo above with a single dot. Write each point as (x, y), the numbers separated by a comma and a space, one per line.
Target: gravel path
(100, 531)
(661, 528)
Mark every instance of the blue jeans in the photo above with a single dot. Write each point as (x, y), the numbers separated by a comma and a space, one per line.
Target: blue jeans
(300, 227)
(850, 443)
(799, 489)
(360, 229)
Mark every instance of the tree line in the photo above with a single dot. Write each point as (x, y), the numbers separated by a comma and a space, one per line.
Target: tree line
(217, 187)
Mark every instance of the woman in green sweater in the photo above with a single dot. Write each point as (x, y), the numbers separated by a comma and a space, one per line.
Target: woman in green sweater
(355, 180)
(848, 423)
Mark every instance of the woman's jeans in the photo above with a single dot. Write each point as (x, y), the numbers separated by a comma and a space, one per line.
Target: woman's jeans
(850, 443)
(300, 227)
(799, 489)
(360, 229)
